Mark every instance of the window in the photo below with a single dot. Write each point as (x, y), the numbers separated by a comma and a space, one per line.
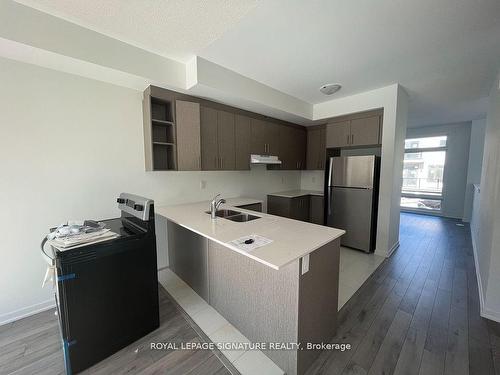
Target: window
(423, 170)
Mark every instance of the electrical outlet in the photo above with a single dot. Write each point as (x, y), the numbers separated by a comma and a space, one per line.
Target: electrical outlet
(282, 179)
(203, 184)
(305, 264)
(313, 180)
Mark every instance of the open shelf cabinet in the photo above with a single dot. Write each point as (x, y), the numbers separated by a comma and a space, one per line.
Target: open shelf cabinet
(159, 130)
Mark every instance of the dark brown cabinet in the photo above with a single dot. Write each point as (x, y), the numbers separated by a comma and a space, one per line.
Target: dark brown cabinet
(316, 148)
(243, 133)
(188, 136)
(299, 209)
(316, 209)
(363, 131)
(209, 142)
(264, 138)
(338, 134)
(217, 139)
(292, 152)
(305, 208)
(226, 140)
(186, 133)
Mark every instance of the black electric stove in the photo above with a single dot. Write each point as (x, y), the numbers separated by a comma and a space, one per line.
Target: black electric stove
(107, 293)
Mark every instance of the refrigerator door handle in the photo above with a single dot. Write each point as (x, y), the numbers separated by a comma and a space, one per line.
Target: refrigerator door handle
(329, 201)
(330, 172)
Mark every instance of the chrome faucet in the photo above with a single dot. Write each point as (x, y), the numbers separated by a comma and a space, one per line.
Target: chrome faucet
(214, 205)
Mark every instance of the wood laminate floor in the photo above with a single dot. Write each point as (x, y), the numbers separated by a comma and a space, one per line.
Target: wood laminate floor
(32, 346)
(418, 314)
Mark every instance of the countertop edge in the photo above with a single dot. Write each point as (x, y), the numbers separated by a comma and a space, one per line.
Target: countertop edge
(249, 255)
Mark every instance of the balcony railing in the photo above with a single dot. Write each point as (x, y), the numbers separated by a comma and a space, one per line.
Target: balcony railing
(422, 185)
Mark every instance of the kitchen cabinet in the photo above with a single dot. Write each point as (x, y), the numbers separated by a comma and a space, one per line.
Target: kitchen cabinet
(265, 137)
(316, 148)
(158, 108)
(365, 131)
(209, 142)
(299, 209)
(293, 208)
(299, 137)
(292, 148)
(217, 139)
(242, 135)
(188, 136)
(186, 133)
(338, 134)
(226, 140)
(355, 132)
(316, 209)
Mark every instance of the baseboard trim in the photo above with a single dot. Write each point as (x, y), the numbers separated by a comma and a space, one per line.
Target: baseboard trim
(26, 311)
(483, 310)
(389, 253)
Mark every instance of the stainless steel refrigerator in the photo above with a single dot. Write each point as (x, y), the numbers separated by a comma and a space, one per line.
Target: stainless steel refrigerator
(351, 191)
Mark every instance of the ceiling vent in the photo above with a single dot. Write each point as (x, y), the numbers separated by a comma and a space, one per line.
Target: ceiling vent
(330, 88)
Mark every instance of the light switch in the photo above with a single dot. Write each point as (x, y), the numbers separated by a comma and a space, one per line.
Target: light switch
(305, 264)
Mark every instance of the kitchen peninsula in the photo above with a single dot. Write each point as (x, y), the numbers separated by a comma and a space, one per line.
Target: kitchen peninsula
(285, 291)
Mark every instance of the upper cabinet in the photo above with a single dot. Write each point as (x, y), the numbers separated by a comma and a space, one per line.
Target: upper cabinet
(265, 137)
(159, 130)
(188, 135)
(226, 140)
(217, 139)
(365, 131)
(358, 131)
(242, 135)
(185, 133)
(338, 134)
(316, 147)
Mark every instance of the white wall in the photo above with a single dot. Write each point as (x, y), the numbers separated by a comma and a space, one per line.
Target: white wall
(487, 246)
(477, 131)
(69, 146)
(455, 170)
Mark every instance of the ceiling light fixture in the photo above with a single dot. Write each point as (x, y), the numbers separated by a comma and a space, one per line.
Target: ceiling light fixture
(330, 88)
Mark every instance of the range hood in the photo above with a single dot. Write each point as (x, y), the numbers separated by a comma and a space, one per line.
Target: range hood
(264, 159)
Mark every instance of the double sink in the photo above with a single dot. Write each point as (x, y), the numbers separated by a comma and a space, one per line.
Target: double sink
(236, 216)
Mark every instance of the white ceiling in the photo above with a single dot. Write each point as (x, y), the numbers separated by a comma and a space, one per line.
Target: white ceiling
(445, 53)
(177, 29)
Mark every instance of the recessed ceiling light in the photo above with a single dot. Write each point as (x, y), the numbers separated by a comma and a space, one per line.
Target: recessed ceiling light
(330, 88)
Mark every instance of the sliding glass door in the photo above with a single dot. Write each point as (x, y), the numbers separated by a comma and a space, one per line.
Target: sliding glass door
(423, 172)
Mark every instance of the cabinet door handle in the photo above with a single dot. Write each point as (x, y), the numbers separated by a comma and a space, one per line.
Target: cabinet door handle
(352, 139)
(347, 138)
(221, 163)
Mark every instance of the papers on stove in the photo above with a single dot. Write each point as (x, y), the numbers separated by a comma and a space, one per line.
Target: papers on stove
(250, 243)
(82, 239)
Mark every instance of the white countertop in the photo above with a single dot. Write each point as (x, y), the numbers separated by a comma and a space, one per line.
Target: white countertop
(292, 239)
(296, 193)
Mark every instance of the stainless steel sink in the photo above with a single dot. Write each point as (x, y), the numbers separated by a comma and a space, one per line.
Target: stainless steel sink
(237, 216)
(241, 218)
(224, 213)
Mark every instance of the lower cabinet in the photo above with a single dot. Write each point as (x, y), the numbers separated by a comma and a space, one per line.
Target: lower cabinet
(316, 209)
(305, 208)
(300, 208)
